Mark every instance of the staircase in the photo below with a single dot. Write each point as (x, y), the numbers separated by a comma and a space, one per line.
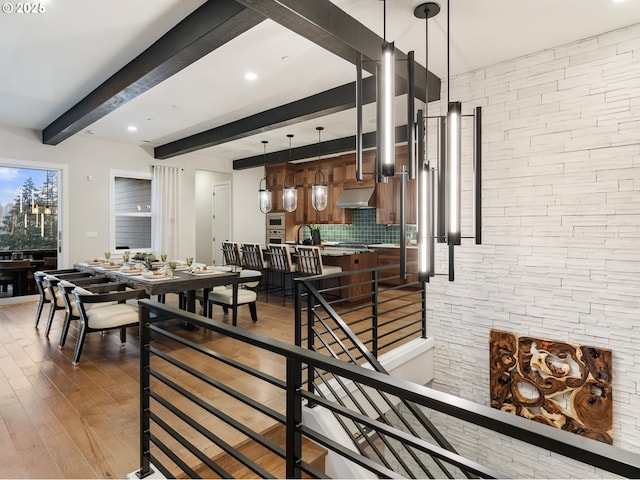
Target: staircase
(270, 461)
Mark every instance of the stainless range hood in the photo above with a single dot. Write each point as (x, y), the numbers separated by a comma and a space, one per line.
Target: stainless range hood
(356, 198)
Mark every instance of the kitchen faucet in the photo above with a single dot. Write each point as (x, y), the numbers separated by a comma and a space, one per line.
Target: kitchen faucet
(298, 242)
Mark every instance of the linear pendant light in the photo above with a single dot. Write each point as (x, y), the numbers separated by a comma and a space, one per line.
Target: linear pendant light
(425, 176)
(264, 194)
(386, 97)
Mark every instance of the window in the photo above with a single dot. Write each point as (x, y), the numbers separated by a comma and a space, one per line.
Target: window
(28, 209)
(132, 212)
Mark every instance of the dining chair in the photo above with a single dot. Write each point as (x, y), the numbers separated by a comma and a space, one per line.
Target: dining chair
(45, 297)
(65, 290)
(118, 314)
(247, 295)
(253, 259)
(49, 284)
(280, 263)
(309, 262)
(231, 253)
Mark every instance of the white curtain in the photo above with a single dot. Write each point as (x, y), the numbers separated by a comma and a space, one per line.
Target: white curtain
(165, 195)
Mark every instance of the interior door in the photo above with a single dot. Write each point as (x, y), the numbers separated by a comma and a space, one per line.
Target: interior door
(221, 219)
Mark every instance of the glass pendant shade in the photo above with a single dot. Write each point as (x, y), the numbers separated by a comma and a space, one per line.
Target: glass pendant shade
(289, 194)
(319, 192)
(319, 196)
(265, 199)
(290, 198)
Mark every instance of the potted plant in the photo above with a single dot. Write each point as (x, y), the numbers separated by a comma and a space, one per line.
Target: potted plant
(315, 235)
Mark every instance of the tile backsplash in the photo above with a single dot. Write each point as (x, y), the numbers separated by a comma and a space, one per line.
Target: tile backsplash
(364, 229)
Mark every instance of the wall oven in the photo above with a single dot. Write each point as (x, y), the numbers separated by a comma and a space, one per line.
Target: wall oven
(275, 221)
(275, 228)
(275, 236)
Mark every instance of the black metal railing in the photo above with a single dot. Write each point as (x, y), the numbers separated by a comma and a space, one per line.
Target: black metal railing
(225, 402)
(321, 329)
(385, 311)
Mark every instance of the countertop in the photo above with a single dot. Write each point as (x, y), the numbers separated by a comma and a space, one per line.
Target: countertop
(337, 249)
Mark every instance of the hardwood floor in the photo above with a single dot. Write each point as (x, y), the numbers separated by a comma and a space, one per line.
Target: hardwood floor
(61, 421)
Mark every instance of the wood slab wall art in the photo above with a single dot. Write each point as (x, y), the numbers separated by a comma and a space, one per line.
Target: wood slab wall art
(559, 384)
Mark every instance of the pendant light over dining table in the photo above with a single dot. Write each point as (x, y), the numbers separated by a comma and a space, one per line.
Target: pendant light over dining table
(289, 194)
(319, 190)
(264, 194)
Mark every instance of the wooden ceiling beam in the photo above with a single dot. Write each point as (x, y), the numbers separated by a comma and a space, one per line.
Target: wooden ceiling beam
(321, 22)
(308, 152)
(207, 28)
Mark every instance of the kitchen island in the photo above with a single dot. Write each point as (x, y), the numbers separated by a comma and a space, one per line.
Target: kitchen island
(350, 259)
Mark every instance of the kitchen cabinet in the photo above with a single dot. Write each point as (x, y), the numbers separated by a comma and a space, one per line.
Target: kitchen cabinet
(388, 201)
(388, 195)
(275, 175)
(305, 177)
(391, 256)
(350, 262)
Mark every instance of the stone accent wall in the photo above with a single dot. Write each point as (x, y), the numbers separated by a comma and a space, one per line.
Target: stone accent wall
(561, 239)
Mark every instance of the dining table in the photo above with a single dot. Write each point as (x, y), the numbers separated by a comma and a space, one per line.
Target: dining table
(182, 282)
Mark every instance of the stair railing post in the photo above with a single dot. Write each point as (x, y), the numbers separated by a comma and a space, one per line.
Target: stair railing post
(145, 406)
(294, 418)
(374, 312)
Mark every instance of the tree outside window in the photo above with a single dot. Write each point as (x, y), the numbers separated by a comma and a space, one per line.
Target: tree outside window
(30, 221)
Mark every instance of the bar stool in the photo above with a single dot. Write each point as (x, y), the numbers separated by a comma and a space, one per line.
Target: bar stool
(280, 262)
(310, 262)
(253, 259)
(231, 252)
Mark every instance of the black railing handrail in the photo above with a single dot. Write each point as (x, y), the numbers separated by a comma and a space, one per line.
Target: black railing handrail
(308, 285)
(590, 452)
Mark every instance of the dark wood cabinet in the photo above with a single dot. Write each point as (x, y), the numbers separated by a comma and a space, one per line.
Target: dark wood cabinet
(388, 195)
(355, 261)
(391, 256)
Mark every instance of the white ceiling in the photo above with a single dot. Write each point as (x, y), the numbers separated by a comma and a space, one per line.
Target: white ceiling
(51, 60)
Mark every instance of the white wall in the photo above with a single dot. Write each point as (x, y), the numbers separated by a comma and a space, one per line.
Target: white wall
(561, 190)
(248, 223)
(88, 200)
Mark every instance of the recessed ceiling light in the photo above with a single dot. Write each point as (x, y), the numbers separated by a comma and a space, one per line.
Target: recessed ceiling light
(250, 76)
(132, 128)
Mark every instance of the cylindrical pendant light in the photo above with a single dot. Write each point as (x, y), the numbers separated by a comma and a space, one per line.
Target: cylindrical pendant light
(289, 194)
(264, 194)
(386, 107)
(319, 190)
(453, 172)
(387, 97)
(424, 173)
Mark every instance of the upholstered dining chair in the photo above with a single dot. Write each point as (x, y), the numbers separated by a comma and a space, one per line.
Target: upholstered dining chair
(65, 291)
(47, 292)
(280, 263)
(253, 259)
(223, 295)
(119, 314)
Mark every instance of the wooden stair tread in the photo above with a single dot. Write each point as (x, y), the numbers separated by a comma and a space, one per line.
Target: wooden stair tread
(312, 454)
